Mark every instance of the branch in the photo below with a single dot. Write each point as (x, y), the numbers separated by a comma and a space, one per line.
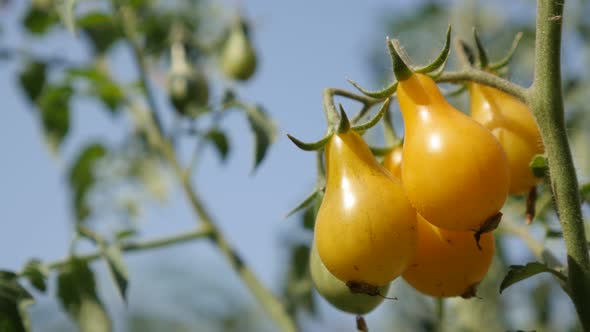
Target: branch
(485, 78)
(546, 102)
(138, 246)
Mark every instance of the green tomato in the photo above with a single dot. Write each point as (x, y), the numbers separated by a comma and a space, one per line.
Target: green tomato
(238, 57)
(337, 293)
(188, 92)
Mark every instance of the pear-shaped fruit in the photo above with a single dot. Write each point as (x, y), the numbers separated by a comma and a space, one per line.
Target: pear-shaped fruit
(238, 57)
(512, 123)
(365, 229)
(188, 88)
(337, 293)
(448, 263)
(455, 173)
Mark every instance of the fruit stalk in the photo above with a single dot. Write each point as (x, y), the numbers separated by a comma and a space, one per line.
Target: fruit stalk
(546, 101)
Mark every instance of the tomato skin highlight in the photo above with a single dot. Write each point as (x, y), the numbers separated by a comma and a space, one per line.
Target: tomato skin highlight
(512, 123)
(448, 263)
(393, 162)
(365, 229)
(337, 293)
(455, 172)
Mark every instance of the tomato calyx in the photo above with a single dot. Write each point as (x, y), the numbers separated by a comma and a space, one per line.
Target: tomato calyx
(359, 287)
(488, 226)
(471, 292)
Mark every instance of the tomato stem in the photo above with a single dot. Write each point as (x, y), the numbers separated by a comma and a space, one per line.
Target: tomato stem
(546, 102)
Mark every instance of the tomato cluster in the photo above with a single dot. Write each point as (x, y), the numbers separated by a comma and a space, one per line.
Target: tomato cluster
(425, 213)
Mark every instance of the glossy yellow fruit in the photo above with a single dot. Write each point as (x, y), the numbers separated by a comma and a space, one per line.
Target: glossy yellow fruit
(337, 293)
(448, 263)
(455, 173)
(365, 229)
(393, 162)
(514, 126)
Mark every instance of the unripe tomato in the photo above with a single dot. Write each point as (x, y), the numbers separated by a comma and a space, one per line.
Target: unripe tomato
(365, 230)
(238, 57)
(337, 293)
(455, 173)
(514, 126)
(448, 263)
(188, 90)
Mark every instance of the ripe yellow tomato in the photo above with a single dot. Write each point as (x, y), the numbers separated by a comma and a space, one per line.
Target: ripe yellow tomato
(337, 293)
(455, 173)
(448, 263)
(365, 229)
(514, 126)
(393, 162)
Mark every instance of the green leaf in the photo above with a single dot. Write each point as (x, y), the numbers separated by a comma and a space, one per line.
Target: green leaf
(539, 165)
(54, 104)
(298, 289)
(81, 177)
(220, 141)
(117, 268)
(14, 299)
(38, 19)
(37, 274)
(33, 78)
(521, 272)
(65, 10)
(76, 291)
(102, 30)
(101, 85)
(264, 132)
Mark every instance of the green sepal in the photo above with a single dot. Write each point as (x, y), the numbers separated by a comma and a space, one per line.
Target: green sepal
(381, 94)
(442, 57)
(481, 52)
(344, 124)
(313, 146)
(401, 69)
(504, 61)
(307, 202)
(538, 165)
(372, 122)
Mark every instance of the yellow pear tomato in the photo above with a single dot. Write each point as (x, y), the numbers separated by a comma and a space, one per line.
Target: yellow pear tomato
(455, 173)
(448, 263)
(365, 230)
(514, 126)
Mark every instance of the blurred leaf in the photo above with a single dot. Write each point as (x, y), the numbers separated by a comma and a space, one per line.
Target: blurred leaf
(264, 132)
(298, 289)
(76, 291)
(81, 176)
(585, 192)
(55, 113)
(117, 268)
(156, 30)
(102, 29)
(102, 86)
(521, 272)
(553, 233)
(37, 274)
(33, 79)
(539, 165)
(38, 20)
(13, 302)
(220, 141)
(65, 9)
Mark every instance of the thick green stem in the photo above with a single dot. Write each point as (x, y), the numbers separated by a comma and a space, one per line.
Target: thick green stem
(546, 102)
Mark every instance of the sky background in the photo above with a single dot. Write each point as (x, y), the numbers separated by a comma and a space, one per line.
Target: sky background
(303, 48)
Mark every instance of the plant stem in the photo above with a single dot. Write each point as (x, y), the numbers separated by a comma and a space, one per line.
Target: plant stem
(546, 102)
(156, 137)
(440, 313)
(485, 78)
(138, 246)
